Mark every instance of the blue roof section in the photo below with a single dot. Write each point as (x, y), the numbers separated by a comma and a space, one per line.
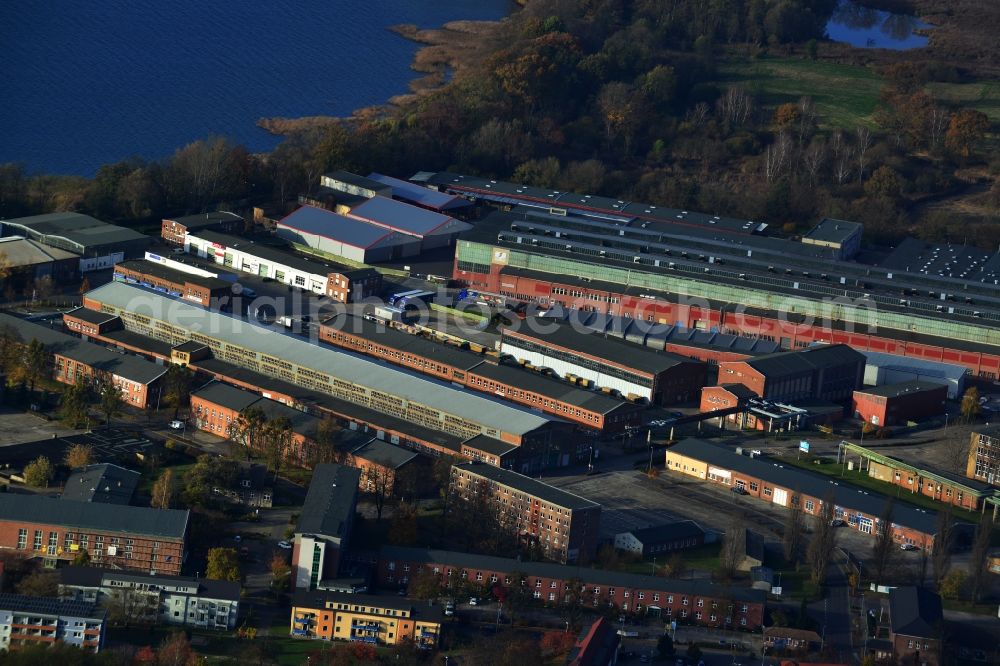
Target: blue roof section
(422, 196)
(399, 216)
(326, 223)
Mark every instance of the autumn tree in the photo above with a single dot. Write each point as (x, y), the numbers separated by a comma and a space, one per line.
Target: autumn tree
(824, 539)
(79, 456)
(75, 400)
(40, 584)
(951, 585)
(425, 584)
(128, 605)
(733, 549)
(176, 650)
(980, 555)
(277, 442)
(884, 182)
(35, 363)
(281, 573)
(622, 109)
(163, 490)
(794, 534)
(223, 564)
(378, 482)
(787, 114)
(39, 472)
(965, 130)
(245, 430)
(111, 401)
(970, 404)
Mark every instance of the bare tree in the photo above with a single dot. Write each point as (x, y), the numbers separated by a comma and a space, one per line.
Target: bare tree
(938, 120)
(698, 114)
(943, 541)
(127, 605)
(864, 145)
(807, 118)
(954, 449)
(980, 556)
(814, 158)
(777, 156)
(734, 545)
(794, 535)
(884, 548)
(378, 481)
(824, 539)
(735, 107)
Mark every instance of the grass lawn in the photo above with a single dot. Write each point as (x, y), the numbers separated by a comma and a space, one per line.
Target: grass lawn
(862, 480)
(845, 95)
(984, 96)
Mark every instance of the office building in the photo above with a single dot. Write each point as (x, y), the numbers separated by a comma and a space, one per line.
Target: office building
(28, 621)
(325, 523)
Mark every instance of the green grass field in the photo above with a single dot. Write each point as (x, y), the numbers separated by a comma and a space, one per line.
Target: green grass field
(845, 95)
(984, 96)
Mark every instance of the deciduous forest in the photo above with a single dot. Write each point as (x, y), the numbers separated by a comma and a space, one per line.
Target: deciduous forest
(737, 107)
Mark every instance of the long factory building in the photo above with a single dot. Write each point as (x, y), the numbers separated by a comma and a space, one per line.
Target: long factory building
(704, 272)
(591, 409)
(421, 400)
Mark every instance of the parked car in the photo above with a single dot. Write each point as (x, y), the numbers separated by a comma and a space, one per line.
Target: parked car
(473, 601)
(837, 522)
(908, 546)
(284, 545)
(176, 424)
(739, 490)
(449, 608)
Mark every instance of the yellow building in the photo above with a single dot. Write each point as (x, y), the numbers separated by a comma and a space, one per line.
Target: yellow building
(379, 620)
(685, 465)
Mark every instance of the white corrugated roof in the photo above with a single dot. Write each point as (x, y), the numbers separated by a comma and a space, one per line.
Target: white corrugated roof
(349, 367)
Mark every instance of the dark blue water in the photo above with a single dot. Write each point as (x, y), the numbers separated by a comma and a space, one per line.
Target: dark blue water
(88, 83)
(864, 27)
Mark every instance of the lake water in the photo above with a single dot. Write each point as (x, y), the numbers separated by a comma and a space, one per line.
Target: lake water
(865, 27)
(88, 83)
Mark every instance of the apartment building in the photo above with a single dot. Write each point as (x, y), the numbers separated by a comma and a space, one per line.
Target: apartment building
(365, 618)
(564, 525)
(177, 600)
(130, 537)
(27, 621)
(984, 455)
(696, 601)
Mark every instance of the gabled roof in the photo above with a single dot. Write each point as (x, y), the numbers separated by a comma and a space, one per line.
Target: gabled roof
(915, 611)
(238, 399)
(26, 252)
(104, 483)
(122, 519)
(91, 316)
(332, 497)
(96, 577)
(403, 217)
(420, 195)
(385, 454)
(739, 390)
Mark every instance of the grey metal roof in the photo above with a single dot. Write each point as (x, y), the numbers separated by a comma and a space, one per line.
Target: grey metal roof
(604, 577)
(527, 485)
(420, 195)
(123, 519)
(26, 252)
(328, 224)
(381, 334)
(332, 497)
(91, 354)
(347, 366)
(847, 497)
(105, 483)
(354, 179)
(915, 611)
(172, 274)
(805, 360)
(282, 254)
(21, 603)
(385, 454)
(556, 389)
(204, 220)
(490, 445)
(82, 230)
(402, 217)
(903, 388)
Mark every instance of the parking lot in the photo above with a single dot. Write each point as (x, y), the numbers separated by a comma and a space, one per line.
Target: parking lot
(17, 427)
(109, 446)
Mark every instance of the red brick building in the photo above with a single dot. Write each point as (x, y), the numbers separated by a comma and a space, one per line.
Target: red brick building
(790, 487)
(696, 602)
(173, 230)
(893, 404)
(114, 535)
(830, 372)
(189, 286)
(564, 525)
(389, 469)
(916, 625)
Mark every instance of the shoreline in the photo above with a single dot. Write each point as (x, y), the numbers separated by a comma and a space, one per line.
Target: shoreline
(446, 53)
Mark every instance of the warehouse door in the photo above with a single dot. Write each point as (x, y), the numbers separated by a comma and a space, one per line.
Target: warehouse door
(780, 497)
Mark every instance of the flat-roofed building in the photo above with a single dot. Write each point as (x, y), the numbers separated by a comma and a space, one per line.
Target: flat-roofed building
(419, 399)
(348, 284)
(565, 526)
(73, 358)
(98, 244)
(140, 598)
(27, 260)
(174, 230)
(660, 539)
(577, 353)
(27, 621)
(90, 323)
(892, 404)
(841, 235)
(365, 618)
(115, 535)
(325, 522)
